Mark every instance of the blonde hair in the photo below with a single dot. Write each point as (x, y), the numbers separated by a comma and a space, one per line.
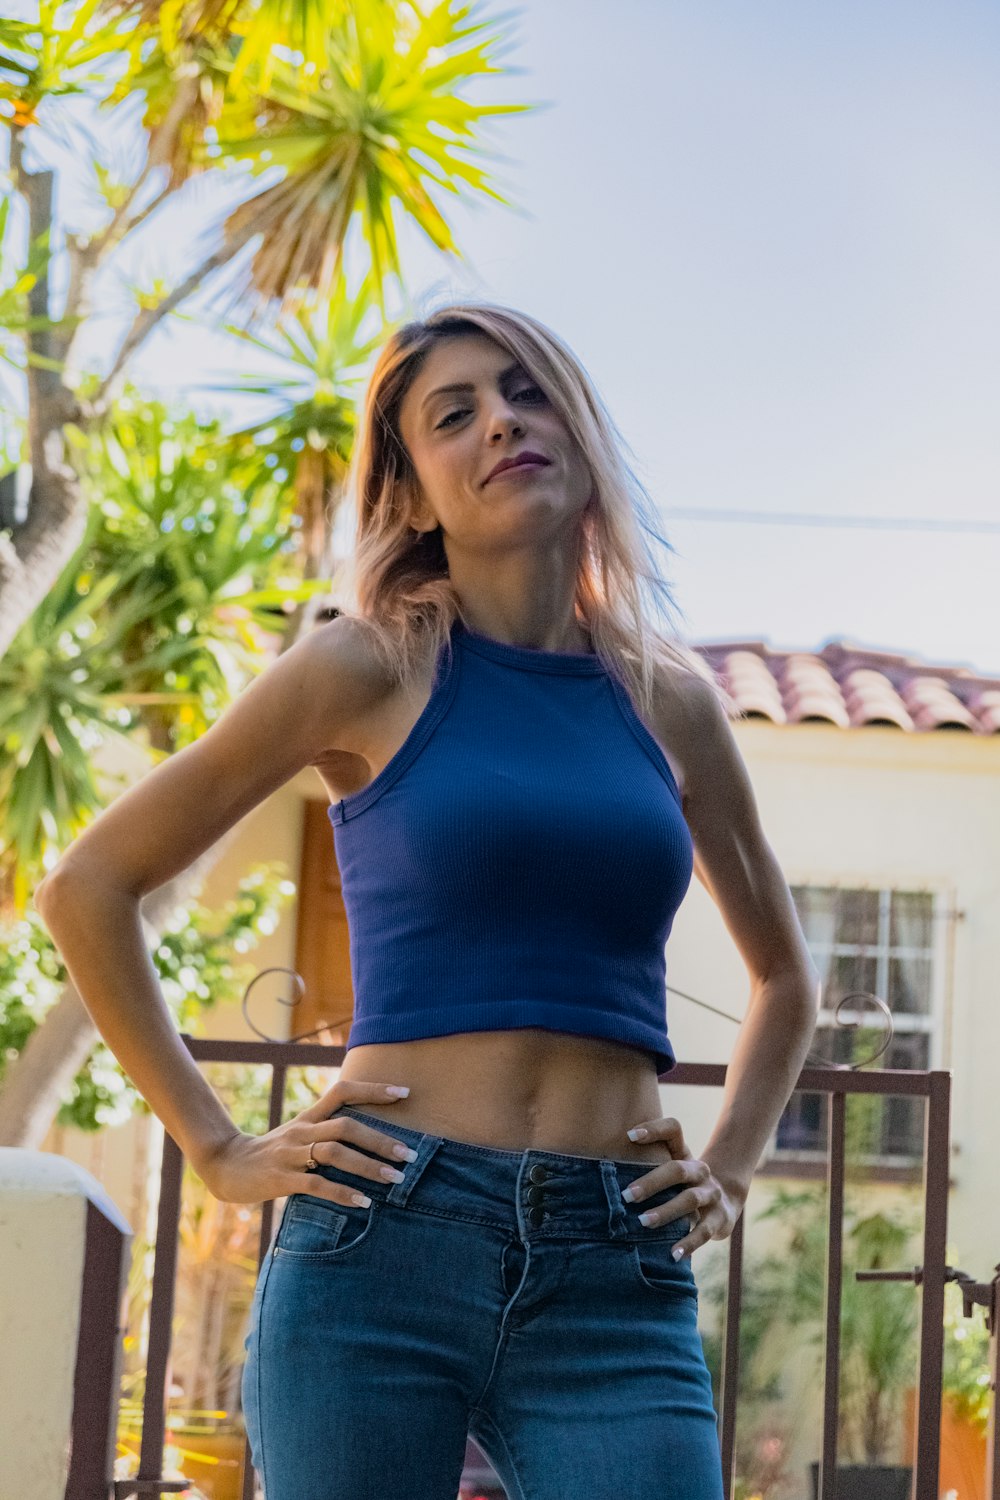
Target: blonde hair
(397, 579)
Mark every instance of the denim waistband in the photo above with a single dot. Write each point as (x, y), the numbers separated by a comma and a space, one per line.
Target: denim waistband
(536, 1194)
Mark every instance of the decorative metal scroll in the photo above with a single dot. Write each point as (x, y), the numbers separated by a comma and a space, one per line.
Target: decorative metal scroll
(266, 1036)
(863, 1062)
(819, 1062)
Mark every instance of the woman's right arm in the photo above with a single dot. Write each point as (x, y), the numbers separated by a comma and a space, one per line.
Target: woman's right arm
(287, 719)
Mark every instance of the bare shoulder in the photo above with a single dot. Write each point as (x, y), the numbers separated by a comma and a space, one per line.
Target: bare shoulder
(352, 676)
(717, 787)
(695, 702)
(687, 714)
(365, 700)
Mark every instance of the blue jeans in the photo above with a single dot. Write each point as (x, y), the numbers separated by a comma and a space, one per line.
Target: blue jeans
(511, 1296)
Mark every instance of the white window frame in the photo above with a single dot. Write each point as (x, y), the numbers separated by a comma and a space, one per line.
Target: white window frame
(931, 1023)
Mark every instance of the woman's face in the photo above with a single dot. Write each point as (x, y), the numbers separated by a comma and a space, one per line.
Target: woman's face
(455, 437)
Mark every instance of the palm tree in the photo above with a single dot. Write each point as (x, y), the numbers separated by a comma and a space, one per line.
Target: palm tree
(365, 120)
(308, 430)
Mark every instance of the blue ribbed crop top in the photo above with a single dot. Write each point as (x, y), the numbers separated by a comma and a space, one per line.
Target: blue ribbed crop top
(520, 859)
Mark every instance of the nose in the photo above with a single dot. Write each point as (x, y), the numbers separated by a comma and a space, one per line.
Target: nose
(504, 419)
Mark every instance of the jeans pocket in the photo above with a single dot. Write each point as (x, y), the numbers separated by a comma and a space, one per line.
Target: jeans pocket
(655, 1268)
(315, 1229)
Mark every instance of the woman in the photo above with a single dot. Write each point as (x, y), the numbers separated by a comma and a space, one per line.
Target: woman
(523, 776)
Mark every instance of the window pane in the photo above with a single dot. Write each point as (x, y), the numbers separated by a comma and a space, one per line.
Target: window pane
(816, 905)
(857, 918)
(899, 1128)
(849, 974)
(910, 985)
(911, 919)
(801, 1125)
(890, 960)
(909, 1049)
(851, 1044)
(903, 1122)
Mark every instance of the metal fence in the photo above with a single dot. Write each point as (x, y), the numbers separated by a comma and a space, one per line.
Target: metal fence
(833, 1083)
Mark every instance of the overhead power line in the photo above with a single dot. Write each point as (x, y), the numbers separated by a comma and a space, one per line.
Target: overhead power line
(793, 518)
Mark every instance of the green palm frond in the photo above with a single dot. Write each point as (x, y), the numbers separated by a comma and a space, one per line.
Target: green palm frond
(299, 27)
(213, 519)
(384, 120)
(185, 83)
(262, 28)
(154, 624)
(54, 711)
(68, 51)
(311, 422)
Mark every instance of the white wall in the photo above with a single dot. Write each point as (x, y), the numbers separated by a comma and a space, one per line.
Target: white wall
(43, 1224)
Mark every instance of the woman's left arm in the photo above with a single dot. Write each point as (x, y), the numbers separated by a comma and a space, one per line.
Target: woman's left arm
(738, 868)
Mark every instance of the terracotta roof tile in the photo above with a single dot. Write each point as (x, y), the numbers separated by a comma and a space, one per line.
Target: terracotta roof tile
(853, 686)
(986, 706)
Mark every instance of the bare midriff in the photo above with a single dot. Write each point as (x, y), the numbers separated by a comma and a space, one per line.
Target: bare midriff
(519, 1090)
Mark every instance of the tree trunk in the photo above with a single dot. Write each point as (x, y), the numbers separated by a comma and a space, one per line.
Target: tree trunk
(35, 553)
(40, 1076)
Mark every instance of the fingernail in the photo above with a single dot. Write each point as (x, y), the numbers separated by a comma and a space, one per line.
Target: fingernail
(638, 1134)
(397, 1090)
(361, 1200)
(677, 1252)
(628, 1194)
(404, 1152)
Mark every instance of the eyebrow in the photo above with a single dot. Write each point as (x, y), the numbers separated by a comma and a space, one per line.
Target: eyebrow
(465, 385)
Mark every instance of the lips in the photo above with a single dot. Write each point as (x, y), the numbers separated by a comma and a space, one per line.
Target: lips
(519, 460)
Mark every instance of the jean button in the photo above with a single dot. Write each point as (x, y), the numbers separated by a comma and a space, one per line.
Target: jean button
(538, 1173)
(536, 1215)
(536, 1195)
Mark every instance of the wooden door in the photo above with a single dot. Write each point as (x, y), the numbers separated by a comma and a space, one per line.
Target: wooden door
(322, 951)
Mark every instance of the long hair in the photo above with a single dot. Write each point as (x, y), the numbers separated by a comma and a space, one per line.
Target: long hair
(397, 579)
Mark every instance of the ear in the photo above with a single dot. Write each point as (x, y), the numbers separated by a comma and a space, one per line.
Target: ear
(421, 518)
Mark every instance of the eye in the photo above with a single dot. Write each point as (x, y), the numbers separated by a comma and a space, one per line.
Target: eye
(461, 411)
(447, 419)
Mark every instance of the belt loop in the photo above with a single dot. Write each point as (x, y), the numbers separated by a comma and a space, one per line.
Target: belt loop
(399, 1192)
(617, 1220)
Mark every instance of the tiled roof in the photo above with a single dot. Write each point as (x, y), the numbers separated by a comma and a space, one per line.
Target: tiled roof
(852, 686)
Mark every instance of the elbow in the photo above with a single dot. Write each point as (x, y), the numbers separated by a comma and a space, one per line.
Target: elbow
(43, 894)
(65, 883)
(49, 891)
(796, 985)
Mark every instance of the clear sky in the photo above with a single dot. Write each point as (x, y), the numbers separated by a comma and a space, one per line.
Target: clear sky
(772, 234)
